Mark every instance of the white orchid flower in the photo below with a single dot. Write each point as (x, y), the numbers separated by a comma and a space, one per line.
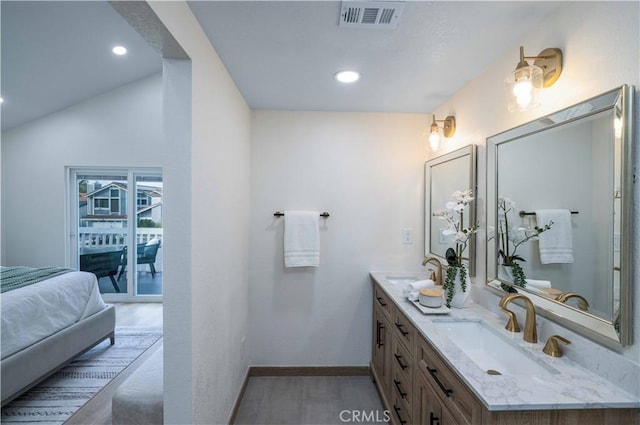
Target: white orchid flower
(461, 237)
(450, 230)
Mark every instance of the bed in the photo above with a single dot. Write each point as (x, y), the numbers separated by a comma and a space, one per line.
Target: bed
(47, 323)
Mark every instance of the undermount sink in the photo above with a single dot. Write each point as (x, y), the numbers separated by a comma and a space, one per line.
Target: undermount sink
(491, 351)
(401, 279)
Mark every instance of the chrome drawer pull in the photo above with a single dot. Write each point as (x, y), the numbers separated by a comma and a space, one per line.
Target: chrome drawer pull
(444, 389)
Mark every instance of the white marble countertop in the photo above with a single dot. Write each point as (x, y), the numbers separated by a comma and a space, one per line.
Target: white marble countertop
(570, 387)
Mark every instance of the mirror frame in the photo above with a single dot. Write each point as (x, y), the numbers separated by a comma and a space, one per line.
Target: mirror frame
(470, 151)
(598, 329)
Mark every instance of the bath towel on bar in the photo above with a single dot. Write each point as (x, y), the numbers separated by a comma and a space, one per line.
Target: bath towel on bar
(301, 239)
(556, 244)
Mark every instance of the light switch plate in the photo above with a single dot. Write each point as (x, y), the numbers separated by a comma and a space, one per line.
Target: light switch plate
(407, 236)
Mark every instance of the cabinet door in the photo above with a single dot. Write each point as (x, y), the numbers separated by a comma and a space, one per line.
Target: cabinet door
(427, 408)
(455, 395)
(381, 357)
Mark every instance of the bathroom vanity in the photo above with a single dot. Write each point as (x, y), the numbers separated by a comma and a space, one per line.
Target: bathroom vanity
(428, 370)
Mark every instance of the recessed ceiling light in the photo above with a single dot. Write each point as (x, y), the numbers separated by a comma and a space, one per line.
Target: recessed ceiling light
(1, 100)
(346, 76)
(119, 50)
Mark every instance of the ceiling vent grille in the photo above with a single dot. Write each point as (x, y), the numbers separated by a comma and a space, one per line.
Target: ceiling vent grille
(370, 14)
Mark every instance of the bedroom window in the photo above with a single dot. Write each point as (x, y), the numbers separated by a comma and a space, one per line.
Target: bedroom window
(125, 254)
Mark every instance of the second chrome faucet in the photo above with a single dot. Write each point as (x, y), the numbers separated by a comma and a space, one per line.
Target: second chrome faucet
(530, 333)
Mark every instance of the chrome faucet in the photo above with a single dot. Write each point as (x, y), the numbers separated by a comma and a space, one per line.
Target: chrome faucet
(583, 304)
(530, 332)
(438, 277)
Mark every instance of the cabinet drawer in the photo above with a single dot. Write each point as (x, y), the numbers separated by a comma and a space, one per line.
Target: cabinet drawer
(402, 360)
(402, 389)
(382, 300)
(460, 402)
(404, 329)
(400, 413)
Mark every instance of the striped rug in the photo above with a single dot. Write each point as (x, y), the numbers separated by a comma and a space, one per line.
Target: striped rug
(54, 400)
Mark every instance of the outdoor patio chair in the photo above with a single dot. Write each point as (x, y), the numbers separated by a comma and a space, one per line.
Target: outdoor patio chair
(146, 254)
(103, 264)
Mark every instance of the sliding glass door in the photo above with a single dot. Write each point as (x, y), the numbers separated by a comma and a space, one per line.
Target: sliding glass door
(148, 233)
(116, 230)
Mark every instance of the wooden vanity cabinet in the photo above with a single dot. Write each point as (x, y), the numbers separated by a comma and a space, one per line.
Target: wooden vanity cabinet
(418, 387)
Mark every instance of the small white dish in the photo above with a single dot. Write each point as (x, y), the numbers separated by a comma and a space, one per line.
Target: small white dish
(443, 309)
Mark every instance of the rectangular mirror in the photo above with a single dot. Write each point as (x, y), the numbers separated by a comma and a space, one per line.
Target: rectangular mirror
(559, 201)
(454, 171)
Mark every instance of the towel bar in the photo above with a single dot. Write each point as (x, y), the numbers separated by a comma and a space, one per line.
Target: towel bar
(280, 214)
(522, 213)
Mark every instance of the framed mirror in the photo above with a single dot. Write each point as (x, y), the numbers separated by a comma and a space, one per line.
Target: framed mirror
(444, 175)
(559, 211)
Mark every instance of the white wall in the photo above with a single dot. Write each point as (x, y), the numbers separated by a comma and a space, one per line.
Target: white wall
(366, 170)
(218, 215)
(601, 48)
(120, 128)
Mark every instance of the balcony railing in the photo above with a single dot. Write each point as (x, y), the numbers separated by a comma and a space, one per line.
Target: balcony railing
(96, 239)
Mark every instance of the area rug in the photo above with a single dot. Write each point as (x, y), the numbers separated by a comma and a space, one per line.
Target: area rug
(54, 400)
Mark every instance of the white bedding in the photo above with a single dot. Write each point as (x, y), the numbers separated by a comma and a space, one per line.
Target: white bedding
(34, 312)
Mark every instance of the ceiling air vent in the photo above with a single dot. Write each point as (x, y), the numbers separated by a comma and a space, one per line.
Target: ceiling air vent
(370, 14)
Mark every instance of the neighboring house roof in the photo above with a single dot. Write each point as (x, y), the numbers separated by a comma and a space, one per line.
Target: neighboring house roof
(120, 217)
(116, 184)
(150, 207)
(147, 190)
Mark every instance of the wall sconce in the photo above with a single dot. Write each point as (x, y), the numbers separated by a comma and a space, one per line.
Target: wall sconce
(448, 130)
(522, 85)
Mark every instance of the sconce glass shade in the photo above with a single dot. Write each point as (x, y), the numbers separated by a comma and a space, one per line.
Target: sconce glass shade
(521, 87)
(434, 140)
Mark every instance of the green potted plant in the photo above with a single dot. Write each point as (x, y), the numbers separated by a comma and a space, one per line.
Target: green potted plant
(509, 268)
(456, 283)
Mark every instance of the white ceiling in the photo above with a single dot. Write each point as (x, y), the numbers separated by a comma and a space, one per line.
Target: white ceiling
(281, 54)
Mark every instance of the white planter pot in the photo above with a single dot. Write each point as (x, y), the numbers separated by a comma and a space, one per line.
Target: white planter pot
(461, 299)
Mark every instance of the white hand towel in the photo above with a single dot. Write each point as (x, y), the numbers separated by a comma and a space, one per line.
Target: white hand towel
(539, 283)
(301, 239)
(416, 286)
(412, 296)
(556, 244)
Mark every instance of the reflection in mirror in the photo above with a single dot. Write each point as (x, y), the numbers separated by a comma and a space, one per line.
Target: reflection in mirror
(443, 176)
(558, 200)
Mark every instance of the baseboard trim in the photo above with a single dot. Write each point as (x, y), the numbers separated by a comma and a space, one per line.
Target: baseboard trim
(309, 371)
(236, 404)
